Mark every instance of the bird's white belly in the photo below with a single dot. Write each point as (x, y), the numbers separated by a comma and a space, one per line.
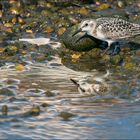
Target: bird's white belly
(100, 36)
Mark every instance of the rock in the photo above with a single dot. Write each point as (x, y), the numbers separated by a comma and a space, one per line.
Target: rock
(45, 105)
(35, 92)
(49, 94)
(34, 111)
(121, 4)
(66, 115)
(4, 110)
(6, 92)
(116, 59)
(86, 43)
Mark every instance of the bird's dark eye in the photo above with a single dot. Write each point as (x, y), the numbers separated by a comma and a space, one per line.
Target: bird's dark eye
(86, 24)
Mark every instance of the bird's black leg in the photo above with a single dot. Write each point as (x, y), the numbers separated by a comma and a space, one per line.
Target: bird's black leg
(116, 49)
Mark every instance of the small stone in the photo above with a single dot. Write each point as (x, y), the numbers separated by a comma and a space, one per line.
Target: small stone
(4, 110)
(61, 30)
(14, 20)
(6, 92)
(49, 93)
(8, 25)
(35, 92)
(49, 5)
(15, 10)
(44, 105)
(1, 13)
(29, 31)
(2, 50)
(66, 115)
(13, 48)
(35, 111)
(120, 4)
(76, 56)
(12, 99)
(19, 67)
(116, 59)
(129, 65)
(83, 11)
(11, 81)
(49, 29)
(20, 20)
(103, 7)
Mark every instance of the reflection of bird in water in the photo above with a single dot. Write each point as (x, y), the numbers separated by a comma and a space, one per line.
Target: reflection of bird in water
(109, 29)
(96, 86)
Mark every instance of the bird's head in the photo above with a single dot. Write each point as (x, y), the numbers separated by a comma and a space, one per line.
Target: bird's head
(87, 26)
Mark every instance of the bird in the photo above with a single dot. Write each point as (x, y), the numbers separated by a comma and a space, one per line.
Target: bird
(108, 29)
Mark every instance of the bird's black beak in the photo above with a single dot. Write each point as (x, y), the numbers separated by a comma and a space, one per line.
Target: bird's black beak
(74, 81)
(79, 30)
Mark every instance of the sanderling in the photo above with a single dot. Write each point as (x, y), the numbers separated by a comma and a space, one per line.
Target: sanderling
(109, 29)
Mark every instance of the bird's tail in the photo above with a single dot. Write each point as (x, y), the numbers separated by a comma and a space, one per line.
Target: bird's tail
(135, 30)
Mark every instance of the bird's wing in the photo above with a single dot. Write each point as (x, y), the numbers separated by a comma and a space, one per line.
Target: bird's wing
(117, 29)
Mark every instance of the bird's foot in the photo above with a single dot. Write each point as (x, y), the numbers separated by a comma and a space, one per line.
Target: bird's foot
(116, 49)
(112, 50)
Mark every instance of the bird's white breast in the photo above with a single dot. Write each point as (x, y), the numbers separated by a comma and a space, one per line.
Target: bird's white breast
(99, 33)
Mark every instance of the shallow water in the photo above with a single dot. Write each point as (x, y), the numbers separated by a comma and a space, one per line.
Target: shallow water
(91, 117)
